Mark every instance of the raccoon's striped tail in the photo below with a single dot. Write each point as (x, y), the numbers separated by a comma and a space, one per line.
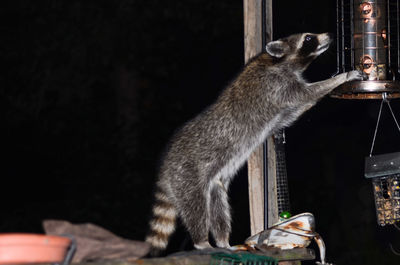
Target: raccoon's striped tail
(162, 224)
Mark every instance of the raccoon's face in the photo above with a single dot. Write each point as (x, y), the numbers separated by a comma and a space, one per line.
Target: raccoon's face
(300, 48)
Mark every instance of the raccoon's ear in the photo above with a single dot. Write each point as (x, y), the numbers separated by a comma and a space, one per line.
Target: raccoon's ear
(277, 48)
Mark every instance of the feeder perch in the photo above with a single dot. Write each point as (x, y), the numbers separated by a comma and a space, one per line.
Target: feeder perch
(384, 171)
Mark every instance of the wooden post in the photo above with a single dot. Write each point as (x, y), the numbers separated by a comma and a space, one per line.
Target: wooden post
(258, 31)
(252, 46)
(252, 28)
(253, 41)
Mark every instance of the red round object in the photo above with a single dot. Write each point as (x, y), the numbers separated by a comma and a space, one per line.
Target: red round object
(32, 248)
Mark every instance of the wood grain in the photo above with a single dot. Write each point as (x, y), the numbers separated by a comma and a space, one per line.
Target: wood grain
(253, 45)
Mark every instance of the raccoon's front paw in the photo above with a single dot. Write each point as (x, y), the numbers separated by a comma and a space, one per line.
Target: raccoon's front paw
(356, 75)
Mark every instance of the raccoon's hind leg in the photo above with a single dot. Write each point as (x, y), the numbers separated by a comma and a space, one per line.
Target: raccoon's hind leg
(193, 205)
(220, 216)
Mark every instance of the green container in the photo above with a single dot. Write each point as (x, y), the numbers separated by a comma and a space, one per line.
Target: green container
(242, 259)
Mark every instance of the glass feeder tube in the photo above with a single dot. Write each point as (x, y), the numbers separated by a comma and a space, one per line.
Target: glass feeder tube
(368, 40)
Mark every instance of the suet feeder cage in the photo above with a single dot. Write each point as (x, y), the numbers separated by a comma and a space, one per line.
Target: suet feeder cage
(384, 171)
(368, 39)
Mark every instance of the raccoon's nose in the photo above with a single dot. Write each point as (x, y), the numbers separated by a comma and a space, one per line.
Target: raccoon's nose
(330, 35)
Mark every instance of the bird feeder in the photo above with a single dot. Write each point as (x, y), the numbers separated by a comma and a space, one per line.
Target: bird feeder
(368, 40)
(384, 171)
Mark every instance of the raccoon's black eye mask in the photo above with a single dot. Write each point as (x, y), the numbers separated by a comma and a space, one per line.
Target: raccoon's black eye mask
(310, 45)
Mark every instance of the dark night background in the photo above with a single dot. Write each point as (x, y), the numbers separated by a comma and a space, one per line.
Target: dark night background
(92, 90)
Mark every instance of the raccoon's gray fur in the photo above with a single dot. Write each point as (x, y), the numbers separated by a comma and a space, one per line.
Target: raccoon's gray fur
(206, 152)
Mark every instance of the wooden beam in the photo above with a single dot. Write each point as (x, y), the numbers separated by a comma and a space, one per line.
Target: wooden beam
(273, 214)
(252, 47)
(253, 41)
(252, 28)
(259, 31)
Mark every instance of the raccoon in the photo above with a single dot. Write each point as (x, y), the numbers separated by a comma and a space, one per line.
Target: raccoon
(204, 155)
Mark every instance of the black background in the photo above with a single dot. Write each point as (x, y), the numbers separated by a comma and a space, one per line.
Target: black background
(92, 90)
